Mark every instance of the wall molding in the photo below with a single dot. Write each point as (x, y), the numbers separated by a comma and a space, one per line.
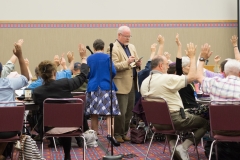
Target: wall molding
(117, 21)
(116, 24)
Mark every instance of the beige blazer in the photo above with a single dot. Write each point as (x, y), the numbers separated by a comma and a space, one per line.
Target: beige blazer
(124, 77)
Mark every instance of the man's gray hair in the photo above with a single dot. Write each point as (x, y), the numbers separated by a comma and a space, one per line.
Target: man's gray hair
(122, 28)
(156, 60)
(185, 61)
(232, 67)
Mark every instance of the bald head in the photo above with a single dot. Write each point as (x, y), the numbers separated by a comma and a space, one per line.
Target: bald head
(160, 63)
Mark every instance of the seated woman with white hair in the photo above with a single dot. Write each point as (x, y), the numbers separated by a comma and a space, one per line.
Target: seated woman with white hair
(188, 94)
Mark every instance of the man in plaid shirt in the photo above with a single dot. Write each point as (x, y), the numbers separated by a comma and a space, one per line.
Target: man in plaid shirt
(221, 89)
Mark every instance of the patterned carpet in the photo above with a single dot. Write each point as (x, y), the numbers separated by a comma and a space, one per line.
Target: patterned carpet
(129, 150)
(136, 151)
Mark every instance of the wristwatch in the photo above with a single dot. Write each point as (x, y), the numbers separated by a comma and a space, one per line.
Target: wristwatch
(202, 59)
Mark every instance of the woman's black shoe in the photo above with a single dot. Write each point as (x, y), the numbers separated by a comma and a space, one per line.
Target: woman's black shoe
(113, 141)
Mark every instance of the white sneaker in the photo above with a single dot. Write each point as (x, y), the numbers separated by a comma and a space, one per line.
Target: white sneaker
(182, 152)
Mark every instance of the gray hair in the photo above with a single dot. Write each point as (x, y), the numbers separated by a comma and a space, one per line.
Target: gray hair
(122, 28)
(185, 61)
(156, 60)
(98, 44)
(232, 67)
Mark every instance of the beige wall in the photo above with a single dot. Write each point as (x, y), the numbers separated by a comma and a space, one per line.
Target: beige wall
(41, 44)
(118, 10)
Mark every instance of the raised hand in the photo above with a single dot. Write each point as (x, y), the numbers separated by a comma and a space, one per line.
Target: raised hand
(167, 55)
(234, 40)
(160, 39)
(82, 51)
(70, 56)
(17, 50)
(191, 50)
(20, 42)
(153, 48)
(205, 51)
(56, 60)
(177, 40)
(62, 60)
(26, 62)
(217, 58)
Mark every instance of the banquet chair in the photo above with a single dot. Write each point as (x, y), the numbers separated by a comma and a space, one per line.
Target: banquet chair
(224, 116)
(11, 119)
(69, 113)
(157, 112)
(80, 95)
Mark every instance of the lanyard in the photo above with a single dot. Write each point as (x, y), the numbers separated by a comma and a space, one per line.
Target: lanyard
(194, 91)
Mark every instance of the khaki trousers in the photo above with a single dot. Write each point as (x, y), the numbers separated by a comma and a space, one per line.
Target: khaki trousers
(199, 124)
(126, 103)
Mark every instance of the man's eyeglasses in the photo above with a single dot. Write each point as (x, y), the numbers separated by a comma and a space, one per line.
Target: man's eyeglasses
(126, 36)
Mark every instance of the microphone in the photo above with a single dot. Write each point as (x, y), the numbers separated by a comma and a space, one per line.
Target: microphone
(89, 49)
(111, 47)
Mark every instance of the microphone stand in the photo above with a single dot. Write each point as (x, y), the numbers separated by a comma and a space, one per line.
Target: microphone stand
(110, 137)
(111, 110)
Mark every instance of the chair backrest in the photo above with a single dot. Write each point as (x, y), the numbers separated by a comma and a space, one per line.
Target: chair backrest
(60, 112)
(11, 117)
(157, 112)
(73, 93)
(224, 117)
(80, 95)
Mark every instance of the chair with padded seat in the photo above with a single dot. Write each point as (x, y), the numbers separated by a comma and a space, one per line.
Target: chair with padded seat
(80, 95)
(11, 119)
(224, 116)
(68, 113)
(157, 112)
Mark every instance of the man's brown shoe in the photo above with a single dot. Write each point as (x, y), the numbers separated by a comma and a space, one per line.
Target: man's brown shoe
(119, 139)
(125, 138)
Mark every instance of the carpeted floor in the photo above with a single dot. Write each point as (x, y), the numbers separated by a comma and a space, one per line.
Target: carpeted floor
(129, 150)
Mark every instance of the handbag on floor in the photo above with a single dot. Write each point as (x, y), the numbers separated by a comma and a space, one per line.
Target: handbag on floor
(138, 134)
